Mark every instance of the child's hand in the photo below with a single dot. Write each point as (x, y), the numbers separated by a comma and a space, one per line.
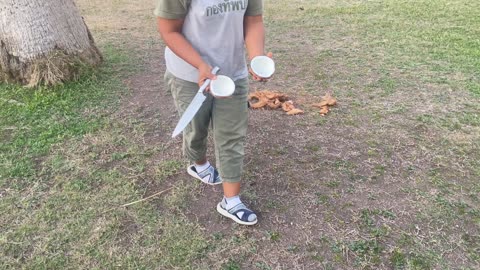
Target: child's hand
(204, 73)
(255, 76)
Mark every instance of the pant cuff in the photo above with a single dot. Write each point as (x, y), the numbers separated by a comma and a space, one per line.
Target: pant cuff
(231, 179)
(194, 157)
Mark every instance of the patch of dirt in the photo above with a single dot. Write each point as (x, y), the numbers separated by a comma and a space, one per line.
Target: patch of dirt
(309, 177)
(290, 163)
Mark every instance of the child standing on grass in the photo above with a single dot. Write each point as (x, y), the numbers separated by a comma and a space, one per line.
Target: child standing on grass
(200, 34)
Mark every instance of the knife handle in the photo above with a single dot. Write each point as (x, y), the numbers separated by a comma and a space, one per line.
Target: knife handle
(207, 81)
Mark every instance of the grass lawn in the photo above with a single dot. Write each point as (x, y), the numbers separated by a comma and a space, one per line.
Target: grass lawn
(388, 180)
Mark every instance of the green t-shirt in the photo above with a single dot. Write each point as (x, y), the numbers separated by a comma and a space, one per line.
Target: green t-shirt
(215, 30)
(177, 9)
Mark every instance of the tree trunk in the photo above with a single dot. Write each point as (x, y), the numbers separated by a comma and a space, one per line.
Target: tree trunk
(43, 42)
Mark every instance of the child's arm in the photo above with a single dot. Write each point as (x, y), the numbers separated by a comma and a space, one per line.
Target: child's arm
(254, 32)
(254, 35)
(171, 32)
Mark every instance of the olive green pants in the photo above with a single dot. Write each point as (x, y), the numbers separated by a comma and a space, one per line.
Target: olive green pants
(228, 118)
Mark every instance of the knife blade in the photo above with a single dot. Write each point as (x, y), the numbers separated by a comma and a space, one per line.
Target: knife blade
(193, 107)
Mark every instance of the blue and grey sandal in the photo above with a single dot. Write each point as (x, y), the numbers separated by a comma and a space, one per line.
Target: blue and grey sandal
(239, 213)
(209, 176)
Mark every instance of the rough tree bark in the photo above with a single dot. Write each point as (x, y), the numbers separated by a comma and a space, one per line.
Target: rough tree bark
(43, 42)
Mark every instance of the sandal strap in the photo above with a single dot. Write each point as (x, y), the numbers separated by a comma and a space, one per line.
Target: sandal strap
(241, 208)
(211, 172)
(216, 176)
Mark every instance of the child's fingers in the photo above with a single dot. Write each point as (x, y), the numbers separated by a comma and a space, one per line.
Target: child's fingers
(257, 78)
(211, 76)
(254, 76)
